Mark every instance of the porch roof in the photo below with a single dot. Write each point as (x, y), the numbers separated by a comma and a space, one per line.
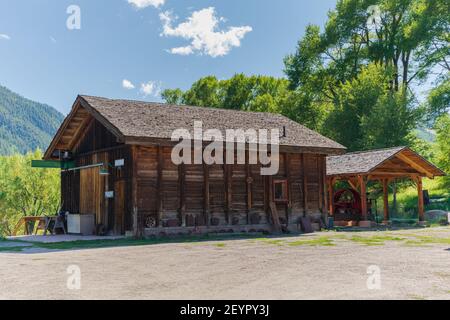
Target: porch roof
(395, 162)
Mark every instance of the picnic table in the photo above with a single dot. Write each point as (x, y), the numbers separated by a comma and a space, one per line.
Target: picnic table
(46, 223)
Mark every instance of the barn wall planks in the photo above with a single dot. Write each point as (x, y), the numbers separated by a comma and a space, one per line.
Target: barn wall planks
(183, 190)
(83, 191)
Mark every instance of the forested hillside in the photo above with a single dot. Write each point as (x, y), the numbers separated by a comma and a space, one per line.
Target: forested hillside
(25, 125)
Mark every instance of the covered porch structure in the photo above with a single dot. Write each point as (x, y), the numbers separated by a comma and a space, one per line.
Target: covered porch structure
(383, 166)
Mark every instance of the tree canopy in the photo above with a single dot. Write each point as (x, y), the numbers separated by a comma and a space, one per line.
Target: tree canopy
(356, 79)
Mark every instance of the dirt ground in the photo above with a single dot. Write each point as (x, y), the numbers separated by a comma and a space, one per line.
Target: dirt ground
(414, 264)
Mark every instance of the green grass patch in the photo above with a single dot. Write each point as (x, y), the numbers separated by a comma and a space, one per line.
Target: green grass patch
(374, 240)
(12, 249)
(220, 245)
(276, 242)
(322, 241)
(427, 240)
(96, 244)
(407, 199)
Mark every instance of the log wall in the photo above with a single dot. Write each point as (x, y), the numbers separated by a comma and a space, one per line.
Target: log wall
(200, 195)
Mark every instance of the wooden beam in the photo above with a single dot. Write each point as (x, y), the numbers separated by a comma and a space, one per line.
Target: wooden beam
(159, 186)
(206, 192)
(182, 184)
(324, 185)
(331, 182)
(287, 162)
(420, 199)
(275, 217)
(415, 165)
(134, 192)
(321, 184)
(305, 185)
(352, 183)
(249, 186)
(386, 199)
(363, 191)
(229, 192)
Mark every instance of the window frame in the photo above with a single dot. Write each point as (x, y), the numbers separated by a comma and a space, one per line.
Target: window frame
(285, 188)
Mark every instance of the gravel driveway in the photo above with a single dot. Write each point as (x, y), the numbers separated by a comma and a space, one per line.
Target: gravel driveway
(413, 264)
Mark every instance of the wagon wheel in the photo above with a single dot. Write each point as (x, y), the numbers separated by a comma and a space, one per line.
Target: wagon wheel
(150, 222)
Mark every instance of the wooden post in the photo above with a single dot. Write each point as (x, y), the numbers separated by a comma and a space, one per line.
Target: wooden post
(305, 186)
(325, 187)
(229, 192)
(331, 196)
(249, 183)
(362, 184)
(386, 199)
(420, 199)
(134, 191)
(206, 194)
(287, 161)
(321, 184)
(159, 195)
(182, 184)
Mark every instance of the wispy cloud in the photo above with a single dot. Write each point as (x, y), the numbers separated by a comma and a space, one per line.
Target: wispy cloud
(4, 37)
(127, 84)
(151, 88)
(202, 30)
(52, 39)
(141, 4)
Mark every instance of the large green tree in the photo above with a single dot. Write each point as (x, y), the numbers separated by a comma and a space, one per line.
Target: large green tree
(251, 93)
(26, 191)
(365, 65)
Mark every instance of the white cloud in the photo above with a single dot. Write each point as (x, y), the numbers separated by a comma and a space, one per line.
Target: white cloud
(127, 84)
(4, 37)
(141, 4)
(52, 39)
(201, 28)
(151, 88)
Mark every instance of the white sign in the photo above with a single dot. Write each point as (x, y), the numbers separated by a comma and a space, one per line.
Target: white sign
(119, 163)
(109, 194)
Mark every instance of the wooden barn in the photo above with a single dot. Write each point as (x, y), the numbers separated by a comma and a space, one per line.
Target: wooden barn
(116, 160)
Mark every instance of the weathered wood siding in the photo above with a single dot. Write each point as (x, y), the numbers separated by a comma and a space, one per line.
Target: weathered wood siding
(150, 185)
(224, 194)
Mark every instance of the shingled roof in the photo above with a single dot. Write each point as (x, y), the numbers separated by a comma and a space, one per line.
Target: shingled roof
(158, 120)
(133, 121)
(400, 161)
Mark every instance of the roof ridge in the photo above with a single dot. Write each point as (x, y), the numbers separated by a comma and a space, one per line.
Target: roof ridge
(185, 106)
(374, 150)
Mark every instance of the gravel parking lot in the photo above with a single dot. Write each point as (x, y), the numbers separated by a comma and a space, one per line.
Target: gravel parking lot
(413, 264)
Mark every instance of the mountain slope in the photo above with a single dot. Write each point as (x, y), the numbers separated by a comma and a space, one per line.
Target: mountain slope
(24, 124)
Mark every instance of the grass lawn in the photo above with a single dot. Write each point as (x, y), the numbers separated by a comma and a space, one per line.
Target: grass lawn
(407, 200)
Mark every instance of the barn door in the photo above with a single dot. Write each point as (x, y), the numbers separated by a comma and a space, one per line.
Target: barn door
(92, 189)
(119, 207)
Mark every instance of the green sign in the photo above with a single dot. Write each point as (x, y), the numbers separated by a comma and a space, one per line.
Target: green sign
(51, 164)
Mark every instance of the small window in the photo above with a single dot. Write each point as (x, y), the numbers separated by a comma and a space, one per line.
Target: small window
(280, 191)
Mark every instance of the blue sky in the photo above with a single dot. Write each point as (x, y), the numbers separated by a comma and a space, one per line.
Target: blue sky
(152, 46)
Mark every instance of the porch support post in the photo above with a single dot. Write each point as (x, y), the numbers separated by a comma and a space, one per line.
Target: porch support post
(385, 182)
(331, 196)
(420, 200)
(362, 184)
